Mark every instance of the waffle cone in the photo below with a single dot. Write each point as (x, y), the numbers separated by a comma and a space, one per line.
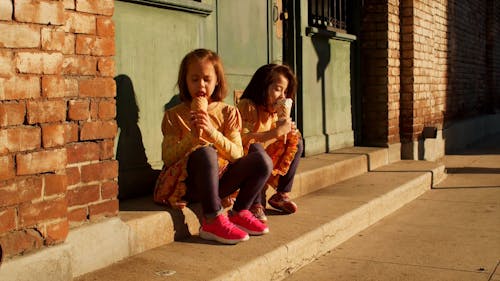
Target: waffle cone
(199, 103)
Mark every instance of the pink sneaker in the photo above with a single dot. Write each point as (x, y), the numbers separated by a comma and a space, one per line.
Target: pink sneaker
(222, 230)
(248, 222)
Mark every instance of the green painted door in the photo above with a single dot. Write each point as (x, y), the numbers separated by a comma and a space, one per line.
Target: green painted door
(248, 36)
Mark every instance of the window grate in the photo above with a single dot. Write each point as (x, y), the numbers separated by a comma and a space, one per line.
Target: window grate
(328, 14)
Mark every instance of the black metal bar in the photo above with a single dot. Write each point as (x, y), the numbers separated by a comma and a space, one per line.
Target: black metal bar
(328, 14)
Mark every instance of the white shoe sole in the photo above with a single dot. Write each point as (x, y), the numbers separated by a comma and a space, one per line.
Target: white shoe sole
(256, 233)
(210, 236)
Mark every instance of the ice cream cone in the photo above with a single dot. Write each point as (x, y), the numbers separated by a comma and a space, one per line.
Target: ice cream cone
(199, 103)
(284, 108)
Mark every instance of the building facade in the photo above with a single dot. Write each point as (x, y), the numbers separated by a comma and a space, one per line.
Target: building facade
(83, 86)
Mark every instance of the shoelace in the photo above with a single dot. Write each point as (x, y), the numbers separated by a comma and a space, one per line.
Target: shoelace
(227, 224)
(249, 217)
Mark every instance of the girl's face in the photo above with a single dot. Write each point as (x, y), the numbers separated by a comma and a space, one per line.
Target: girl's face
(276, 91)
(201, 78)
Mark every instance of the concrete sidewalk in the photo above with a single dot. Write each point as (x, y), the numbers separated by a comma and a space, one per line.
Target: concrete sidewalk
(451, 232)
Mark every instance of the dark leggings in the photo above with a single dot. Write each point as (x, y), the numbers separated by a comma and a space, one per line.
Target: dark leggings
(285, 182)
(248, 174)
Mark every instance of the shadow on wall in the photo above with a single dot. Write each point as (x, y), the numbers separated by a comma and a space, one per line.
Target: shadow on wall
(136, 177)
(322, 48)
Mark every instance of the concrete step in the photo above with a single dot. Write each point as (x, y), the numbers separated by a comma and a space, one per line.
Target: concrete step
(327, 217)
(153, 225)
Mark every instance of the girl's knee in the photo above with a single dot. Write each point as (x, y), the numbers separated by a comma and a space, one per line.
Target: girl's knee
(204, 152)
(265, 162)
(256, 147)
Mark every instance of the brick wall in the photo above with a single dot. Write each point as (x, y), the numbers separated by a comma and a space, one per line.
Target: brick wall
(426, 63)
(424, 66)
(493, 52)
(468, 85)
(374, 72)
(57, 120)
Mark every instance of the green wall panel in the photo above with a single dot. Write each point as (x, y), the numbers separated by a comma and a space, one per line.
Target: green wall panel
(242, 40)
(150, 43)
(326, 94)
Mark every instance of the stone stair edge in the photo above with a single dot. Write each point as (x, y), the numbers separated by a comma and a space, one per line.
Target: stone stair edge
(284, 258)
(306, 181)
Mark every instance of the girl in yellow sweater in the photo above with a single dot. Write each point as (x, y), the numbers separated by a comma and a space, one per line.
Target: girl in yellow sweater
(203, 154)
(259, 106)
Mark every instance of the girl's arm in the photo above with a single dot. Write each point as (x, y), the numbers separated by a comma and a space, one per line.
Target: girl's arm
(268, 137)
(227, 141)
(177, 138)
(250, 120)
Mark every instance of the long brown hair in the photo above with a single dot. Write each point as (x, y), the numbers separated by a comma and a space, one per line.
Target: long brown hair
(220, 90)
(256, 90)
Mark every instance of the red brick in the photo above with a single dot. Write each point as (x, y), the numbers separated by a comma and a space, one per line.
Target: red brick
(6, 68)
(83, 195)
(20, 190)
(41, 162)
(80, 23)
(53, 39)
(107, 149)
(73, 175)
(78, 216)
(20, 87)
(39, 63)
(12, 113)
(78, 110)
(56, 232)
(107, 109)
(97, 46)
(53, 86)
(80, 65)
(104, 209)
(82, 152)
(98, 130)
(19, 139)
(46, 111)
(69, 4)
(69, 44)
(5, 11)
(36, 11)
(55, 134)
(104, 46)
(106, 67)
(20, 242)
(7, 168)
(84, 44)
(19, 36)
(94, 110)
(7, 219)
(105, 27)
(72, 132)
(97, 87)
(102, 7)
(33, 213)
(100, 171)
(55, 184)
(71, 87)
(109, 190)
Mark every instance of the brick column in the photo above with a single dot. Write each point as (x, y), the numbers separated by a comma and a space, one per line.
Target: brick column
(57, 124)
(380, 70)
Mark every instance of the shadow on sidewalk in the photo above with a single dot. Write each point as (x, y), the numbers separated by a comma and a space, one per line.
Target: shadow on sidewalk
(473, 170)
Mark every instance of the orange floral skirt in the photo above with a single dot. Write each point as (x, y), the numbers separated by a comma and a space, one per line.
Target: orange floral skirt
(282, 155)
(171, 187)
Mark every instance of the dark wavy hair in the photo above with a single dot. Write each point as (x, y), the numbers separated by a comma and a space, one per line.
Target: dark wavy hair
(256, 90)
(220, 90)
